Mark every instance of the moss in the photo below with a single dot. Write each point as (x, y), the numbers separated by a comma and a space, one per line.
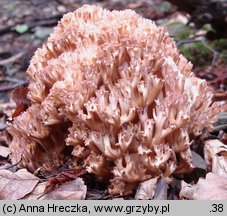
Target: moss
(197, 54)
(179, 30)
(200, 56)
(184, 33)
(220, 45)
(207, 27)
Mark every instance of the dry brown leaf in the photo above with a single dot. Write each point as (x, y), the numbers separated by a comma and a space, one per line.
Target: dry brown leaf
(14, 186)
(161, 190)
(95, 194)
(214, 187)
(146, 190)
(19, 96)
(37, 192)
(215, 154)
(74, 190)
(4, 151)
(65, 176)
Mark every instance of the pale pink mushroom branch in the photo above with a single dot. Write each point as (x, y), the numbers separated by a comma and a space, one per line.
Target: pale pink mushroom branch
(112, 89)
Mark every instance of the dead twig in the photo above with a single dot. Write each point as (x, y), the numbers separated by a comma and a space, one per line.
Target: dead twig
(11, 87)
(216, 54)
(13, 80)
(187, 41)
(11, 166)
(6, 29)
(11, 59)
(49, 21)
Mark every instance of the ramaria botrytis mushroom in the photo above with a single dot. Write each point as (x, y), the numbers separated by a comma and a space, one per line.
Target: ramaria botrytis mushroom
(113, 86)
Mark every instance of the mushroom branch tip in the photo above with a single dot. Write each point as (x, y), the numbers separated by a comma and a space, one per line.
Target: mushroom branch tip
(111, 89)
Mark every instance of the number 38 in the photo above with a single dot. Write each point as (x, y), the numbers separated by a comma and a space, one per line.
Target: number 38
(217, 208)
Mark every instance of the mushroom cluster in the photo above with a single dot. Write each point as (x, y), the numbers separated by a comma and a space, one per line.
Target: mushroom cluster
(112, 89)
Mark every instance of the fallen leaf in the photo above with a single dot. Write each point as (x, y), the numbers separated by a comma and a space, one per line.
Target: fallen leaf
(5, 165)
(74, 190)
(21, 28)
(161, 190)
(214, 187)
(14, 186)
(4, 151)
(216, 77)
(19, 96)
(37, 192)
(63, 177)
(200, 169)
(94, 194)
(215, 155)
(146, 189)
(3, 124)
(187, 191)
(174, 189)
(19, 109)
(198, 161)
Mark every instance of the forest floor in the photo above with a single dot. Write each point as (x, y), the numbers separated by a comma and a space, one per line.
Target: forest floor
(25, 26)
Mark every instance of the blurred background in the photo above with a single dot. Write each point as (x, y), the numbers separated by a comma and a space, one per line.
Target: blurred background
(199, 28)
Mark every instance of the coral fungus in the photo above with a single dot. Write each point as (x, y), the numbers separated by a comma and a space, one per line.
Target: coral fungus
(113, 88)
